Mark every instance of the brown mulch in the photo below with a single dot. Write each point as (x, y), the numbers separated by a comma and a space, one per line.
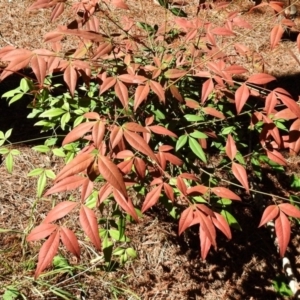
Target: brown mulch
(168, 266)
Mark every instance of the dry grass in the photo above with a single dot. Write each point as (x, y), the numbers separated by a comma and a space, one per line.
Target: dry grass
(168, 267)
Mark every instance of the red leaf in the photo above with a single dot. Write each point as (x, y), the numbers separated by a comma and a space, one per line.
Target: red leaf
(205, 209)
(126, 205)
(89, 224)
(176, 94)
(107, 84)
(98, 133)
(104, 192)
(289, 210)
(241, 96)
(141, 94)
(197, 189)
(70, 78)
(92, 115)
(158, 90)
(70, 241)
(169, 191)
(138, 143)
(283, 232)
(213, 112)
(220, 222)
(261, 78)
(161, 130)
(152, 197)
(59, 211)
(207, 226)
(181, 185)
(120, 4)
(240, 174)
(271, 102)
(173, 159)
(285, 114)
(205, 243)
(57, 11)
(236, 69)
(225, 193)
(126, 166)
(290, 103)
(270, 213)
(134, 127)
(222, 31)
(41, 232)
(165, 148)
(140, 166)
(111, 173)
(77, 165)
(207, 88)
(39, 66)
(294, 137)
(78, 132)
(122, 93)
(276, 157)
(230, 147)
(67, 184)
(175, 73)
(87, 188)
(186, 219)
(115, 136)
(47, 252)
(276, 35)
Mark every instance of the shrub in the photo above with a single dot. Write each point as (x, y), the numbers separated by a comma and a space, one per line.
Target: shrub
(154, 113)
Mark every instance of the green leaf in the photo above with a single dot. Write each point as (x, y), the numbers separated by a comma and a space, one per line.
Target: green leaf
(62, 294)
(8, 133)
(9, 162)
(131, 252)
(78, 121)
(239, 157)
(15, 98)
(65, 119)
(41, 184)
(295, 182)
(228, 130)
(36, 172)
(11, 292)
(59, 262)
(281, 287)
(41, 148)
(146, 27)
(15, 152)
(50, 174)
(181, 142)
(198, 135)
(231, 220)
(178, 12)
(115, 234)
(197, 149)
(4, 151)
(118, 251)
(59, 152)
(2, 137)
(53, 112)
(193, 118)
(24, 85)
(11, 93)
(121, 226)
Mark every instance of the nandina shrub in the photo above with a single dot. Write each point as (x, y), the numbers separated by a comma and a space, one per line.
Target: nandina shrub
(155, 105)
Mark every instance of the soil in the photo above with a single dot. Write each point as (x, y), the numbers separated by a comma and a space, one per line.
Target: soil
(168, 266)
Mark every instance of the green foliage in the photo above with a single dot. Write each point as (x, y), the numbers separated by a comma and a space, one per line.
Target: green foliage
(281, 286)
